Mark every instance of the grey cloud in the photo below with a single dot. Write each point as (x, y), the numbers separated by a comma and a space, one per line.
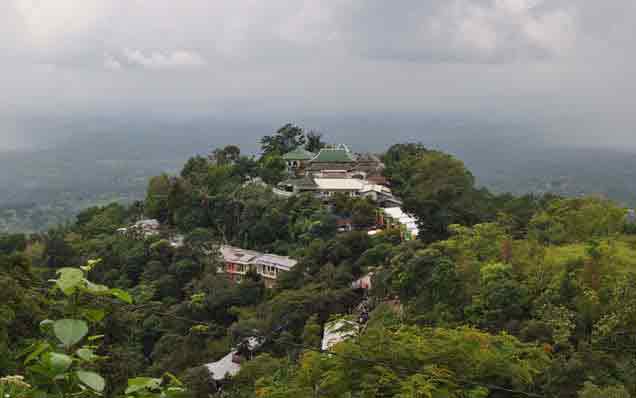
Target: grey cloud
(548, 60)
(448, 30)
(471, 31)
(156, 60)
(111, 63)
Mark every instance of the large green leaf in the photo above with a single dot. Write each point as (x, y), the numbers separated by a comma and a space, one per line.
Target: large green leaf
(39, 349)
(122, 295)
(70, 331)
(94, 314)
(58, 363)
(92, 380)
(86, 354)
(69, 280)
(96, 289)
(142, 383)
(90, 265)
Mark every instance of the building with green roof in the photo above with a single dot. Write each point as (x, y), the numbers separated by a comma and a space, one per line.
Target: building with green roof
(299, 154)
(333, 158)
(297, 159)
(337, 158)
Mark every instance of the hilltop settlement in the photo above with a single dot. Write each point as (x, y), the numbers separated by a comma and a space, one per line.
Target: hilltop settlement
(333, 173)
(314, 270)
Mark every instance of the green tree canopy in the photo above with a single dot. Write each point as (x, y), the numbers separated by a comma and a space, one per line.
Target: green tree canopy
(286, 139)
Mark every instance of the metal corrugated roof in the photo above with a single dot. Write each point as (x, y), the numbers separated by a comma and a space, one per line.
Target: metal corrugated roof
(224, 367)
(337, 331)
(285, 263)
(241, 256)
(237, 255)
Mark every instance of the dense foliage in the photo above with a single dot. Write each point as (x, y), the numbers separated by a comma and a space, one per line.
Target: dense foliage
(500, 296)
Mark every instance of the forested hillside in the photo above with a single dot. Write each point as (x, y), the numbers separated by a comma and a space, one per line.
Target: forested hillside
(499, 295)
(101, 160)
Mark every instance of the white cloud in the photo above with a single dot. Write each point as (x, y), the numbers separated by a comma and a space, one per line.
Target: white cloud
(50, 22)
(452, 30)
(476, 32)
(111, 63)
(554, 31)
(517, 6)
(164, 60)
(313, 23)
(347, 54)
(503, 29)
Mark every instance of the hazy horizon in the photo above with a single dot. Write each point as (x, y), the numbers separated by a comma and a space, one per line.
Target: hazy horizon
(564, 66)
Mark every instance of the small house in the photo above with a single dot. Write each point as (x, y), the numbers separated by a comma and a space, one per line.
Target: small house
(363, 283)
(237, 262)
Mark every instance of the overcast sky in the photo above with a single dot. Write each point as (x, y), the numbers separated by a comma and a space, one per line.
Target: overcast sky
(564, 63)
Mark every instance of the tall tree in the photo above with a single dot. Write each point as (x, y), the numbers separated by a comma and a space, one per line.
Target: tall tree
(286, 139)
(398, 161)
(230, 154)
(272, 169)
(157, 203)
(314, 142)
(436, 186)
(195, 169)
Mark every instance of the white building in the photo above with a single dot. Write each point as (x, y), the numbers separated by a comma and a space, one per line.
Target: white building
(230, 364)
(394, 216)
(325, 186)
(142, 229)
(338, 331)
(237, 262)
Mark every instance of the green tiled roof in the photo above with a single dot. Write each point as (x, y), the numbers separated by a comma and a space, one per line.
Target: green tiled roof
(298, 154)
(333, 155)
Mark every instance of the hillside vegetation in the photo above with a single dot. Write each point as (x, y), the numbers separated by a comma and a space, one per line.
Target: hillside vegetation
(103, 159)
(499, 295)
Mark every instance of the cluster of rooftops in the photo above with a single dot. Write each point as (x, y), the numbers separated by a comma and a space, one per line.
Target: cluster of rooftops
(337, 153)
(336, 170)
(332, 170)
